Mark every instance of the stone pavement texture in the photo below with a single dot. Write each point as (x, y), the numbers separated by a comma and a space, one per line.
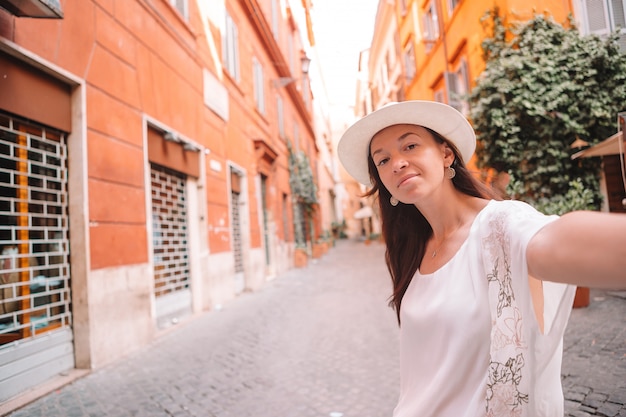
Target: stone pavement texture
(594, 357)
(315, 342)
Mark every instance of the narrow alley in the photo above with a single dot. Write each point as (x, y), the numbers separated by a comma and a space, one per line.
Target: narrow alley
(318, 341)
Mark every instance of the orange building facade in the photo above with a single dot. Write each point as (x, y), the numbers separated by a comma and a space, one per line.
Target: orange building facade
(143, 170)
(431, 49)
(444, 39)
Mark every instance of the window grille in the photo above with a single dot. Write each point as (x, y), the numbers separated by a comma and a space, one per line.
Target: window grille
(169, 236)
(34, 245)
(266, 214)
(237, 249)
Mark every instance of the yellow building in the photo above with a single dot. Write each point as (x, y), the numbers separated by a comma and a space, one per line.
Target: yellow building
(440, 42)
(431, 49)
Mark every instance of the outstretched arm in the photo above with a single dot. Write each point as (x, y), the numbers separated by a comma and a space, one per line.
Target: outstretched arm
(583, 248)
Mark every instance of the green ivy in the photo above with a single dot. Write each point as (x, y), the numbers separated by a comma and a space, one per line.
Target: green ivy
(544, 84)
(303, 190)
(301, 179)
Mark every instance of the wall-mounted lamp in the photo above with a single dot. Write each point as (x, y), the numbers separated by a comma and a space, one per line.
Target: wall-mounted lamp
(171, 137)
(305, 63)
(174, 138)
(190, 147)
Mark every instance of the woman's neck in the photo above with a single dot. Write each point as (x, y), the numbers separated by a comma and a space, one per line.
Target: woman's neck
(451, 213)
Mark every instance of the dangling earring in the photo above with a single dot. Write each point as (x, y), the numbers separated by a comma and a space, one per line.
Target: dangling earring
(451, 172)
(394, 201)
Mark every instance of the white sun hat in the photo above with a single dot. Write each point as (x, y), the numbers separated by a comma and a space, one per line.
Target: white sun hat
(354, 146)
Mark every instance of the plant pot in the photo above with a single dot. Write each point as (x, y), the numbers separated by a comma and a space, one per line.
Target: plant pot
(300, 258)
(319, 249)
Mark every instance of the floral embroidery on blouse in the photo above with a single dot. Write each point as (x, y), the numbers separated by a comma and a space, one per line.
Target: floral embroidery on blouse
(506, 388)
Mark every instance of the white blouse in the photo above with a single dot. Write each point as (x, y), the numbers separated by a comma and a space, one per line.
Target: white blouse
(470, 344)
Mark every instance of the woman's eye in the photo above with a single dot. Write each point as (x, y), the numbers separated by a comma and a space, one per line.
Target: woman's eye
(411, 146)
(382, 162)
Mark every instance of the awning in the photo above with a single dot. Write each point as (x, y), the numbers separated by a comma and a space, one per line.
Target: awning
(610, 146)
(363, 213)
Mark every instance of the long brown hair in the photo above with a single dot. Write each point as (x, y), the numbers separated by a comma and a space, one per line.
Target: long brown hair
(406, 230)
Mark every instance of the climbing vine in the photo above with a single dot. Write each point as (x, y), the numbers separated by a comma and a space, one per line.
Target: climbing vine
(544, 85)
(303, 190)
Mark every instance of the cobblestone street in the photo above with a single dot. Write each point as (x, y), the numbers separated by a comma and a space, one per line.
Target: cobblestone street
(594, 361)
(316, 342)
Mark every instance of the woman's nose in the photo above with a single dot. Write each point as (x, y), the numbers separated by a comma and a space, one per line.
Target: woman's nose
(399, 164)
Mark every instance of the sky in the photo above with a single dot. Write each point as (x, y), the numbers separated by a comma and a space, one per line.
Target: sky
(343, 28)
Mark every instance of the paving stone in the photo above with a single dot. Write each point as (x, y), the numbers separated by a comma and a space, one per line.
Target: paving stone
(575, 396)
(609, 409)
(311, 342)
(579, 414)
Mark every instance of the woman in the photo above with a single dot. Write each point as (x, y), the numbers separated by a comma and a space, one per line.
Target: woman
(482, 288)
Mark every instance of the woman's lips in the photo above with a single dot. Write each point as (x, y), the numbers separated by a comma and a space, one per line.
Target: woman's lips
(405, 178)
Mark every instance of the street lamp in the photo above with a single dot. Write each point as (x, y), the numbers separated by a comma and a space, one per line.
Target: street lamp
(305, 63)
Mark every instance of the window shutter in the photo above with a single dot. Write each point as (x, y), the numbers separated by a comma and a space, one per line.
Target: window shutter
(597, 16)
(619, 20)
(451, 85)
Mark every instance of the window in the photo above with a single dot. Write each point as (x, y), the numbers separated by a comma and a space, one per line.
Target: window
(290, 55)
(275, 14)
(409, 61)
(602, 17)
(431, 23)
(296, 135)
(259, 84)
(182, 7)
(439, 96)
(457, 84)
(452, 5)
(384, 75)
(280, 110)
(230, 48)
(403, 7)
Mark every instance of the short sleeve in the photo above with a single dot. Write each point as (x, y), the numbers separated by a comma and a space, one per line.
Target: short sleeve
(524, 361)
(523, 222)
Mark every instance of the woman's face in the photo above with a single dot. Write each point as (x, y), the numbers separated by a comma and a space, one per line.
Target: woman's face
(410, 162)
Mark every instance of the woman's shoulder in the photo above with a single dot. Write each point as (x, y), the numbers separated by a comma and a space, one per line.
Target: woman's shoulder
(513, 207)
(514, 217)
